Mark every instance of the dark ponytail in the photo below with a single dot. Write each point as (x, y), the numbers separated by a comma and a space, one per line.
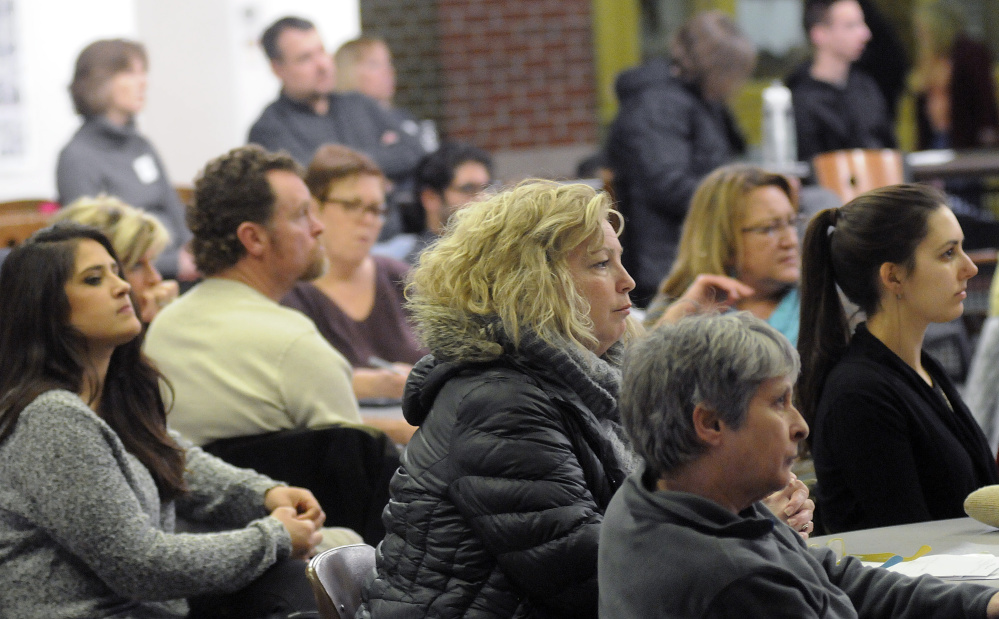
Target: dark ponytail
(825, 330)
(846, 247)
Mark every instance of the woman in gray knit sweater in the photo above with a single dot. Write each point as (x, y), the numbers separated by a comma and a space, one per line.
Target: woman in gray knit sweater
(92, 478)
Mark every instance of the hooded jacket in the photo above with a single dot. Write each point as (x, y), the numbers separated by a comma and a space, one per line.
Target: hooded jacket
(665, 139)
(496, 508)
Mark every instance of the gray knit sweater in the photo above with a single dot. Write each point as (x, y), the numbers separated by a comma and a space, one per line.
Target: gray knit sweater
(83, 532)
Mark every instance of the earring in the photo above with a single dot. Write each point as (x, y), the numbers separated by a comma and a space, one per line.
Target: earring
(898, 296)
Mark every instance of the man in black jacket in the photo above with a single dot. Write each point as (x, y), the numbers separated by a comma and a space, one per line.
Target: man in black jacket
(836, 105)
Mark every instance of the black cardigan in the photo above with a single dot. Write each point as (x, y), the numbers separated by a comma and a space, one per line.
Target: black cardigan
(888, 450)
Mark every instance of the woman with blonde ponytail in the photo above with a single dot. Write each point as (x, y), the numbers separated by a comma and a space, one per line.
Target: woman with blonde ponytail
(892, 440)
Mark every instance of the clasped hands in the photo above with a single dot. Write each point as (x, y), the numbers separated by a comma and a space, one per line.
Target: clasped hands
(300, 513)
(792, 505)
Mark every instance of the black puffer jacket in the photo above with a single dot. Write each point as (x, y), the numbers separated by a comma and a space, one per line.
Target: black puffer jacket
(665, 139)
(496, 509)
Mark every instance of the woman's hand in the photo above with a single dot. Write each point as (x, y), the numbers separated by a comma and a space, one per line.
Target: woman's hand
(154, 298)
(992, 610)
(305, 535)
(707, 293)
(792, 505)
(301, 500)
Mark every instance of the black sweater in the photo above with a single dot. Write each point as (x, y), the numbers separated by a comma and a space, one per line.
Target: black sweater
(831, 117)
(888, 449)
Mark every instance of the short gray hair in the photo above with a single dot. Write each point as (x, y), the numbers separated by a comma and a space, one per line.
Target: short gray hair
(719, 361)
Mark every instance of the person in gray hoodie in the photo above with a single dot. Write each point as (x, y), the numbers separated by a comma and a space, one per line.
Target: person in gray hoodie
(707, 404)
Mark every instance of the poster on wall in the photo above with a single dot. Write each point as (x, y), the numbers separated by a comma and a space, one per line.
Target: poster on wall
(12, 121)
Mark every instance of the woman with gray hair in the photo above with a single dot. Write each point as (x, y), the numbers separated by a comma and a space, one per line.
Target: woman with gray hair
(673, 128)
(707, 404)
(713, 366)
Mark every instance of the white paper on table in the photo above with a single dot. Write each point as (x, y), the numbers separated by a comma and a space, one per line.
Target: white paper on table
(954, 567)
(930, 157)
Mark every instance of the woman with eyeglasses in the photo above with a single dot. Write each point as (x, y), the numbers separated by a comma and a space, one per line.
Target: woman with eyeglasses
(358, 304)
(738, 250)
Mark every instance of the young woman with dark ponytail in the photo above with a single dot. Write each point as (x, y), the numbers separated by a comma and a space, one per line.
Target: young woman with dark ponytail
(892, 440)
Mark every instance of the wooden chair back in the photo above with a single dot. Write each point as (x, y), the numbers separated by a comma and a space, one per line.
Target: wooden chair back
(19, 219)
(848, 173)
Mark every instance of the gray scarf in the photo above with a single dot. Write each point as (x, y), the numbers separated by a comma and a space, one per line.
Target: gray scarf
(597, 382)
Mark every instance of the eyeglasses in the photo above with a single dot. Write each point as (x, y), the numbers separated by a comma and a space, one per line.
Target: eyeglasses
(775, 227)
(471, 189)
(357, 209)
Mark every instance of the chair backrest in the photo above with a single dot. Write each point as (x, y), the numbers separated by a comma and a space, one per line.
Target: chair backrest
(19, 219)
(337, 576)
(347, 467)
(848, 173)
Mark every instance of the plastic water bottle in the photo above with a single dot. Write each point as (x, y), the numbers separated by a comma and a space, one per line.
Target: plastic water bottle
(780, 144)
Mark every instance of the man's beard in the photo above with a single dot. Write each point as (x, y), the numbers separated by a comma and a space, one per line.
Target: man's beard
(317, 267)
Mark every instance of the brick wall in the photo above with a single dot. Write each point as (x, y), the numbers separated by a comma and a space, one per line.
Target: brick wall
(409, 27)
(518, 73)
(504, 75)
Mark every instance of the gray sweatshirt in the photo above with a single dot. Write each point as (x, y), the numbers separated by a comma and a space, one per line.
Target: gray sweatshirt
(674, 554)
(83, 532)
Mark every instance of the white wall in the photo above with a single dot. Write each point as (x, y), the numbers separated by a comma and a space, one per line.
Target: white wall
(51, 34)
(208, 78)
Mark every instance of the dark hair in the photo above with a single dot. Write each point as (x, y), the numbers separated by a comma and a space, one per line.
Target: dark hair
(332, 163)
(40, 351)
(268, 40)
(815, 12)
(436, 170)
(232, 189)
(95, 66)
(846, 247)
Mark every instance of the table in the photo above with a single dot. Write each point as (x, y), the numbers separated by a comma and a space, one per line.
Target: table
(389, 420)
(956, 536)
(947, 164)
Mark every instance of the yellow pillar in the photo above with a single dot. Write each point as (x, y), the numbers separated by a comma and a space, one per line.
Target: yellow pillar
(616, 46)
(722, 5)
